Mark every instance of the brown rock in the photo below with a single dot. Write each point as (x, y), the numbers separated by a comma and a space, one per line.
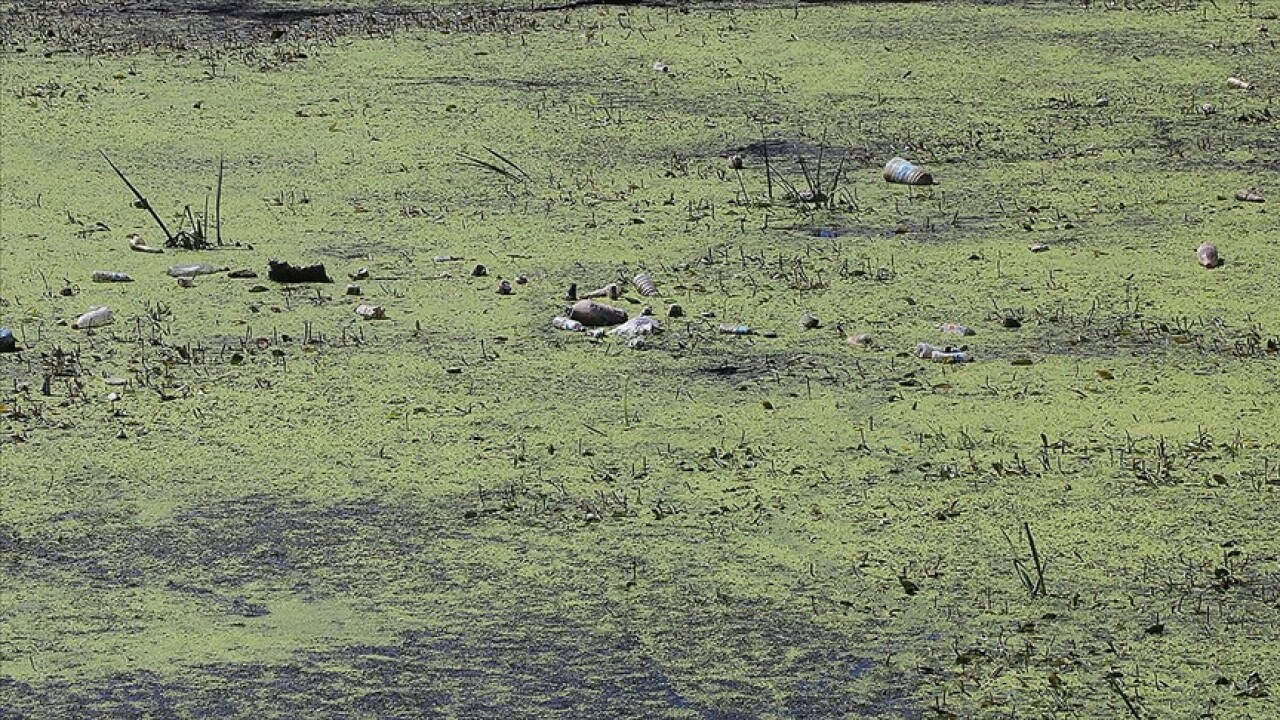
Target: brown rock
(594, 314)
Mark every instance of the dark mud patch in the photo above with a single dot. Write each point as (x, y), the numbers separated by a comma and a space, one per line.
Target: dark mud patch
(213, 26)
(295, 545)
(516, 660)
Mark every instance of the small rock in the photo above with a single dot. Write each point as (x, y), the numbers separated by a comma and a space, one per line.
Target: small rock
(259, 289)
(809, 321)
(361, 274)
(1038, 247)
(504, 288)
(186, 281)
(1249, 195)
(1011, 322)
(862, 340)
(242, 274)
(1102, 101)
(453, 369)
(675, 311)
(479, 271)
(1207, 255)
(735, 162)
(522, 279)
(1208, 109)
(353, 289)
(1237, 83)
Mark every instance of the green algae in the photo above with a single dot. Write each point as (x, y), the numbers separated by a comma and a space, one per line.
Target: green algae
(717, 526)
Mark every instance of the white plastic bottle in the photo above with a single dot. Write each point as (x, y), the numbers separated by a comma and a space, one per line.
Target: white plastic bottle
(97, 316)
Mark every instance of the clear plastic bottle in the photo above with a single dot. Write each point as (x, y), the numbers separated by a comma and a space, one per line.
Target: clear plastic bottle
(97, 316)
(569, 324)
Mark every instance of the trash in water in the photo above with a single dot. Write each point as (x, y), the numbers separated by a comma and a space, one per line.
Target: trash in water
(288, 273)
(943, 354)
(7, 342)
(644, 285)
(195, 269)
(1250, 195)
(137, 245)
(736, 329)
(640, 325)
(564, 323)
(903, 172)
(594, 314)
(611, 291)
(809, 321)
(1207, 255)
(97, 316)
(108, 276)
(1237, 83)
(371, 312)
(956, 329)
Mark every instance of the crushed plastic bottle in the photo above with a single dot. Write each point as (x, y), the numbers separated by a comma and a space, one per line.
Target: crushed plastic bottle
(96, 317)
(107, 276)
(569, 324)
(639, 325)
(194, 269)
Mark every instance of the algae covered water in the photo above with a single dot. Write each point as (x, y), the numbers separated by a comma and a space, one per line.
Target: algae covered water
(245, 498)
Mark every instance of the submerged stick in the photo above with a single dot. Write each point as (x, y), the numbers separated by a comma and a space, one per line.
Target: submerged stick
(217, 204)
(167, 235)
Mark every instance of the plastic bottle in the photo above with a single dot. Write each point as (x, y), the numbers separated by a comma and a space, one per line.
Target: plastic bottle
(569, 324)
(104, 276)
(96, 317)
(644, 285)
(950, 356)
(194, 269)
(736, 330)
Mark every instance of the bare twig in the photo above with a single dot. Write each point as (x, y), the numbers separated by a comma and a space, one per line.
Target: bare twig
(167, 235)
